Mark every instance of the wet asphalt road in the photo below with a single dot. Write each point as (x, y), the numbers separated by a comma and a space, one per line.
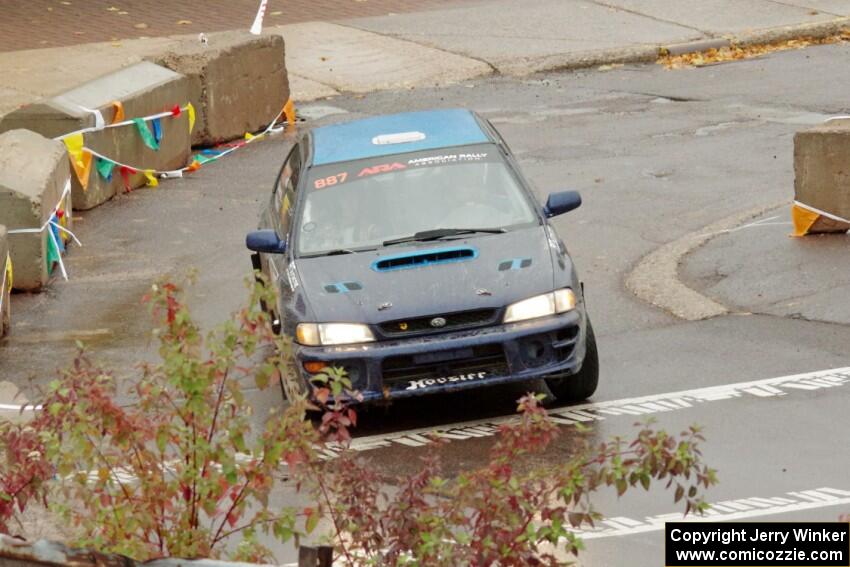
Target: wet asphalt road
(657, 154)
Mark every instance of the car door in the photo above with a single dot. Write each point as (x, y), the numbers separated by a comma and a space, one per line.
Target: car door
(284, 200)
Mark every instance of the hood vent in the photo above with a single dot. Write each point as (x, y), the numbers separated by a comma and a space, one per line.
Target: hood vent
(424, 258)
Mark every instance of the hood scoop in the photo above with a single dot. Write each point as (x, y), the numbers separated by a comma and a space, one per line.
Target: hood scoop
(424, 258)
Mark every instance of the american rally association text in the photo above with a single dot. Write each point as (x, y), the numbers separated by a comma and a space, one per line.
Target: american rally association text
(757, 534)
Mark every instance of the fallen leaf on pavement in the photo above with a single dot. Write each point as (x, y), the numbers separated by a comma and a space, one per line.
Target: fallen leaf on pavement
(112, 9)
(184, 22)
(738, 52)
(276, 13)
(141, 26)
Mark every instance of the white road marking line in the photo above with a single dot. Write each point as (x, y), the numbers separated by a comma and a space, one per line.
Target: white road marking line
(728, 510)
(724, 511)
(14, 407)
(641, 406)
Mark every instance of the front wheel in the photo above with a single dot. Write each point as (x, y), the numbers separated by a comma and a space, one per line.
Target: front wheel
(581, 385)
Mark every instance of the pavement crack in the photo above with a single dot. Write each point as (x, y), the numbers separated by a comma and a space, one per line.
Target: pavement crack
(494, 71)
(672, 98)
(812, 8)
(706, 33)
(328, 85)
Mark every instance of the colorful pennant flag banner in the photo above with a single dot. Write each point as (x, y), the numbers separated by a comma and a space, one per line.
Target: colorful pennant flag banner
(104, 168)
(81, 158)
(809, 220)
(204, 157)
(8, 280)
(147, 136)
(57, 231)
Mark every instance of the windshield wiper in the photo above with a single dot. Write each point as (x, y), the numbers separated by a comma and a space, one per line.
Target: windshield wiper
(337, 252)
(438, 233)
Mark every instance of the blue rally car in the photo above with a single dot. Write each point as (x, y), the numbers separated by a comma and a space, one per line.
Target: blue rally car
(409, 250)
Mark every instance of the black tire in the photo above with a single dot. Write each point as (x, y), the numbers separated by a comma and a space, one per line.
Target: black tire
(581, 385)
(277, 327)
(256, 263)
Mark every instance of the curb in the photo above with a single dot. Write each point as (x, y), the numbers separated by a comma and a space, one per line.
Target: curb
(650, 53)
(695, 46)
(785, 33)
(655, 279)
(581, 60)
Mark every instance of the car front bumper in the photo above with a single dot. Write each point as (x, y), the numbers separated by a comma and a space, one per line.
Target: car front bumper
(459, 360)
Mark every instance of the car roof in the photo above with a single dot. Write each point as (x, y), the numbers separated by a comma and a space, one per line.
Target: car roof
(355, 140)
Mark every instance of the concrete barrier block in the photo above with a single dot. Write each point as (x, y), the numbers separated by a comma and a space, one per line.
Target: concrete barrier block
(822, 168)
(33, 173)
(238, 82)
(5, 285)
(143, 89)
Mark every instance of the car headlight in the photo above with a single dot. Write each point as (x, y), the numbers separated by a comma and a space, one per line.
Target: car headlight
(559, 301)
(323, 334)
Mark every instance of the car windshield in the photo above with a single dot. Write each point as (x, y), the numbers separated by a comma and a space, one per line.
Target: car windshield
(363, 204)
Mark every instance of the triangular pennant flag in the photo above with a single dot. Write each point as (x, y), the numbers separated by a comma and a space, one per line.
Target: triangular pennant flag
(289, 112)
(80, 158)
(202, 158)
(249, 136)
(57, 236)
(104, 168)
(157, 130)
(808, 220)
(62, 219)
(191, 110)
(145, 133)
(85, 169)
(118, 111)
(194, 166)
(9, 273)
(176, 110)
(149, 175)
(803, 220)
(74, 144)
(125, 175)
(52, 250)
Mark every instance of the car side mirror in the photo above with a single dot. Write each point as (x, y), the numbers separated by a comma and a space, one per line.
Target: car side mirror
(561, 202)
(265, 241)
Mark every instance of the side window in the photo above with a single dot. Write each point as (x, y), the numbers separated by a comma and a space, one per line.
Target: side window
(285, 192)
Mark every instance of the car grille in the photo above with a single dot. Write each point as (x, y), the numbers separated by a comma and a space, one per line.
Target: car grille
(453, 322)
(484, 358)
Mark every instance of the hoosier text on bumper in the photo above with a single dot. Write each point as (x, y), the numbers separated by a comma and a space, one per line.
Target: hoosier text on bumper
(417, 384)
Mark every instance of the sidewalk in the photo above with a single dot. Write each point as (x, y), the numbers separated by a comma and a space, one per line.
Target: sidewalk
(454, 40)
(36, 24)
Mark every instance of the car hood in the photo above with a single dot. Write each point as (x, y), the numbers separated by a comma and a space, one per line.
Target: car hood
(487, 271)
